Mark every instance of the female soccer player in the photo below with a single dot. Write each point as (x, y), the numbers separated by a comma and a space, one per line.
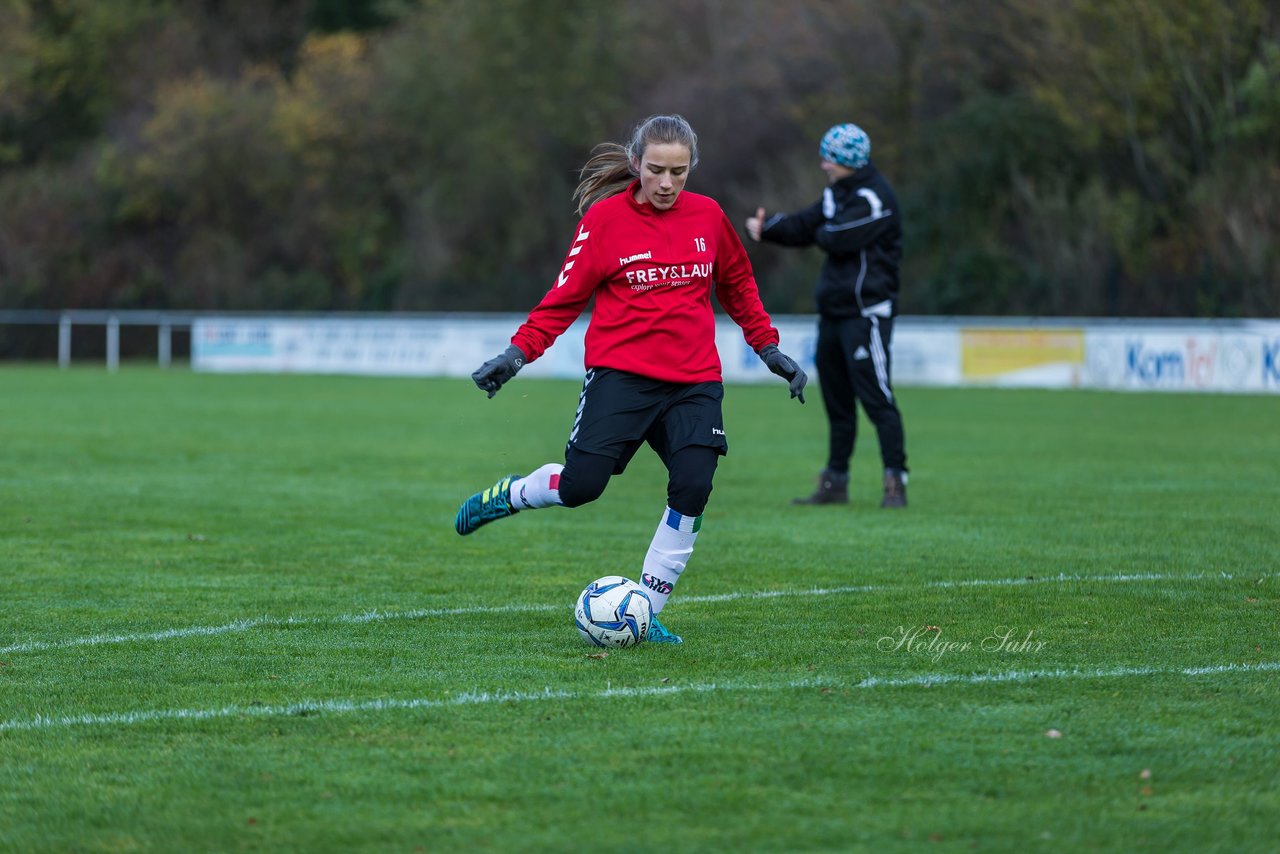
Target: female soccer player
(651, 254)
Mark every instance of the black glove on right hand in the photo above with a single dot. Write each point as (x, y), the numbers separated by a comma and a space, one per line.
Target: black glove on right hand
(785, 367)
(494, 373)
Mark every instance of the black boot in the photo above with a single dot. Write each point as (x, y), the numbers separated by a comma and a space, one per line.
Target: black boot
(833, 488)
(895, 488)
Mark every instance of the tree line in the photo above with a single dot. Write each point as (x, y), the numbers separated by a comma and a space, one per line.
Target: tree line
(1052, 157)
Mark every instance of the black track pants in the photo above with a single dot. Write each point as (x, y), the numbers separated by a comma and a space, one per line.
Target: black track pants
(854, 362)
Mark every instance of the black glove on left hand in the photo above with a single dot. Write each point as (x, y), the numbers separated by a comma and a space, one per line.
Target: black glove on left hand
(785, 367)
(494, 373)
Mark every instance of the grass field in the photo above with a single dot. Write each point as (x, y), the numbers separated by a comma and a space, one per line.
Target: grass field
(234, 615)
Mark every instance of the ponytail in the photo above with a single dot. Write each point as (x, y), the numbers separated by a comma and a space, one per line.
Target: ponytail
(605, 174)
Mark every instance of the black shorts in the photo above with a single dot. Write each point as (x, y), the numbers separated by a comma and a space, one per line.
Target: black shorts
(618, 412)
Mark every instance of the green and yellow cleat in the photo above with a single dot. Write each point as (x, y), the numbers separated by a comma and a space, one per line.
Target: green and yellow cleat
(486, 506)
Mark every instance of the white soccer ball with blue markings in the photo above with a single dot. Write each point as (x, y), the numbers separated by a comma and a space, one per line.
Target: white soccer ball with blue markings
(613, 612)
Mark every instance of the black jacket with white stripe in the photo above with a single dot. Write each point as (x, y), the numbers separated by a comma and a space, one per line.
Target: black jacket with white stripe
(858, 225)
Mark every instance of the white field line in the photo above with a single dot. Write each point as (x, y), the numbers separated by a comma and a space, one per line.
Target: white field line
(248, 623)
(482, 698)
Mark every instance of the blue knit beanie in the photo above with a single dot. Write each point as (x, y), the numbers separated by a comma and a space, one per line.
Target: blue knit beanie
(846, 144)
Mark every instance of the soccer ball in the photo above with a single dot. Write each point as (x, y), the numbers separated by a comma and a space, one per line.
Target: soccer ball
(613, 611)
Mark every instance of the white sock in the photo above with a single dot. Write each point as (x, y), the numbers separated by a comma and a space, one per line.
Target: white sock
(540, 488)
(668, 553)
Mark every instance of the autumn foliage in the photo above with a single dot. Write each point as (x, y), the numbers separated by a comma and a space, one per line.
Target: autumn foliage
(1056, 157)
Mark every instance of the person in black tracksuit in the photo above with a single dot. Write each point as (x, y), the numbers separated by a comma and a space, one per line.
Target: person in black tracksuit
(857, 223)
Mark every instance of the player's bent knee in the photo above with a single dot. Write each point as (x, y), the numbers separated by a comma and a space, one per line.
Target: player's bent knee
(584, 477)
(576, 490)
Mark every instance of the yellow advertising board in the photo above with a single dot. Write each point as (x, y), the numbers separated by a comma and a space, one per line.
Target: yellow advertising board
(993, 354)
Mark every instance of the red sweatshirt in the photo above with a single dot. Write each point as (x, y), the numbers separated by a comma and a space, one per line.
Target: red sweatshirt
(652, 273)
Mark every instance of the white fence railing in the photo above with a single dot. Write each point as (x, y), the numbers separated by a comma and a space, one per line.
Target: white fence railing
(1132, 354)
(165, 323)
